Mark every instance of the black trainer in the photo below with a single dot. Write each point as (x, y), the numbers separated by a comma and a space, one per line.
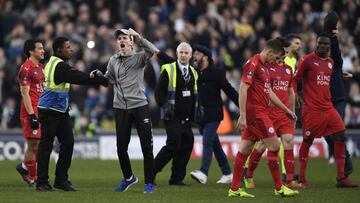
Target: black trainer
(23, 173)
(177, 183)
(65, 186)
(44, 188)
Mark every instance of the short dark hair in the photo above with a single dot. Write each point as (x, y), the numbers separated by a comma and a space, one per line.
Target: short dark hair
(59, 43)
(283, 41)
(29, 45)
(323, 34)
(275, 45)
(292, 36)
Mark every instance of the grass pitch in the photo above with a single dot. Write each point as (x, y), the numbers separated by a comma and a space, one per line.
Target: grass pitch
(96, 181)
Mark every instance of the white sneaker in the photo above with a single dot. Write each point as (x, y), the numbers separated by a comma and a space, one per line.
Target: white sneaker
(225, 179)
(199, 176)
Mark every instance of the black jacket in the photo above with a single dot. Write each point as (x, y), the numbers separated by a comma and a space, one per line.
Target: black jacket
(184, 106)
(65, 73)
(337, 87)
(211, 81)
(356, 77)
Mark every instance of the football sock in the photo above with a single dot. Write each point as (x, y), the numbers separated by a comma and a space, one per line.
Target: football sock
(31, 166)
(303, 159)
(289, 164)
(339, 150)
(239, 164)
(273, 164)
(253, 163)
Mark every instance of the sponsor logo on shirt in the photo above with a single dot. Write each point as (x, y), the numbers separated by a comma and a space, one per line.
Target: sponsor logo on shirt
(323, 80)
(279, 84)
(267, 87)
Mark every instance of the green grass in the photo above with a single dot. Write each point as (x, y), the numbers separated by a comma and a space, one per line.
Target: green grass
(96, 181)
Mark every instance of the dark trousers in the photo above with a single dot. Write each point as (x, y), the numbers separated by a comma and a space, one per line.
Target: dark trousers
(179, 144)
(340, 108)
(141, 118)
(59, 125)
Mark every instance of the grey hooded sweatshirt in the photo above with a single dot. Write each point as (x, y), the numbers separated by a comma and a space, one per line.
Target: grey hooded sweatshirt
(128, 74)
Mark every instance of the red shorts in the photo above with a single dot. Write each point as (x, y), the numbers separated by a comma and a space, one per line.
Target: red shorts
(317, 124)
(283, 125)
(28, 131)
(259, 129)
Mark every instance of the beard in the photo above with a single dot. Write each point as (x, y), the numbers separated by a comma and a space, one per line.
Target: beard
(198, 64)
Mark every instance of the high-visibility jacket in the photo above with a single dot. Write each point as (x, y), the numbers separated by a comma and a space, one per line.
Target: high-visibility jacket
(54, 97)
(170, 68)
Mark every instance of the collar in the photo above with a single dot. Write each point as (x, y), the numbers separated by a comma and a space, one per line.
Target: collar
(181, 66)
(31, 64)
(118, 55)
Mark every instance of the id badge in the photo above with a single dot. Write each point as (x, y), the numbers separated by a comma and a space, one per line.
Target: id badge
(186, 93)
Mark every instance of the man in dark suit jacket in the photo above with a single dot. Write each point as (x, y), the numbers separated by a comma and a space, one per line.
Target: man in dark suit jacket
(211, 81)
(176, 94)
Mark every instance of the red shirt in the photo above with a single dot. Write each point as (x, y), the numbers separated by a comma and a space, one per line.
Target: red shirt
(31, 75)
(316, 75)
(256, 74)
(281, 80)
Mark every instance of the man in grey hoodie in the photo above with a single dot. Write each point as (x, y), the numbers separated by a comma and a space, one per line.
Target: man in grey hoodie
(126, 70)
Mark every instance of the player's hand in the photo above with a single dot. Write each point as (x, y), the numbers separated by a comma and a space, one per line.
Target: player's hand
(132, 32)
(241, 123)
(34, 122)
(347, 75)
(292, 116)
(95, 73)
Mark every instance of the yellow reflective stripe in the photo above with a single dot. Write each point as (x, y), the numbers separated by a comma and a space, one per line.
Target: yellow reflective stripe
(48, 72)
(172, 82)
(195, 78)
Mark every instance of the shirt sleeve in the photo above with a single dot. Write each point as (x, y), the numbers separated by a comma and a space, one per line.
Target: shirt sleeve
(227, 88)
(161, 89)
(302, 67)
(248, 72)
(149, 48)
(110, 70)
(24, 77)
(165, 58)
(65, 73)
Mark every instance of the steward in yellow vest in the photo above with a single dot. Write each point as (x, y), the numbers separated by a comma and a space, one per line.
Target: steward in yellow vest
(176, 94)
(54, 117)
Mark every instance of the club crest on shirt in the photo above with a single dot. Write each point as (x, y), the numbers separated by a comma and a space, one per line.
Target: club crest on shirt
(271, 130)
(307, 133)
(250, 74)
(288, 71)
(330, 65)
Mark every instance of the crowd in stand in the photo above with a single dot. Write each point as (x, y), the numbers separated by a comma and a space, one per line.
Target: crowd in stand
(233, 29)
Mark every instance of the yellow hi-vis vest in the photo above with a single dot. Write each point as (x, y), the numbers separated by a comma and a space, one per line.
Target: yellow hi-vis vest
(170, 68)
(54, 97)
